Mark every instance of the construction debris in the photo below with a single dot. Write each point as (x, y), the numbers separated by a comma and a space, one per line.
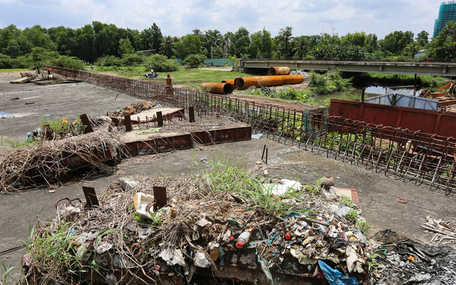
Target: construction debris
(398, 260)
(47, 162)
(229, 231)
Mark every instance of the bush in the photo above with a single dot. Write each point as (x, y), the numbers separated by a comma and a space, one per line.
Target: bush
(109, 60)
(133, 59)
(68, 62)
(161, 63)
(333, 82)
(194, 60)
(5, 61)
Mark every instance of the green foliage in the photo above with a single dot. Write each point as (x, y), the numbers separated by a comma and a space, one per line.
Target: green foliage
(6, 61)
(190, 44)
(194, 60)
(125, 47)
(347, 201)
(8, 275)
(160, 63)
(223, 177)
(352, 215)
(403, 79)
(62, 127)
(68, 62)
(54, 252)
(39, 57)
(443, 47)
(333, 82)
(109, 60)
(132, 59)
(363, 226)
(396, 41)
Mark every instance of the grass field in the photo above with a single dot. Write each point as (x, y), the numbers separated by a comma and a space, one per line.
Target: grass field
(12, 70)
(184, 76)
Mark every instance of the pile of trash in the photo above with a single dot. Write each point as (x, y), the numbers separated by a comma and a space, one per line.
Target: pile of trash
(399, 260)
(131, 238)
(132, 109)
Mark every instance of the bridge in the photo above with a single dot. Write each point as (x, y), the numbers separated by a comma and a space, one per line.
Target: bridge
(414, 67)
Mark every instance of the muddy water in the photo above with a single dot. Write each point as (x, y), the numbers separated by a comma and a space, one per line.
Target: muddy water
(355, 94)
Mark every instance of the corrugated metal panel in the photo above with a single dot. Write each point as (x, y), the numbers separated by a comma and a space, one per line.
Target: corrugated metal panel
(407, 101)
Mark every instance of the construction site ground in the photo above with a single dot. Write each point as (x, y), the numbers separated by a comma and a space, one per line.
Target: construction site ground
(378, 194)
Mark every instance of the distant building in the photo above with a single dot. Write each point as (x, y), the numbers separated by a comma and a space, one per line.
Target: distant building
(447, 13)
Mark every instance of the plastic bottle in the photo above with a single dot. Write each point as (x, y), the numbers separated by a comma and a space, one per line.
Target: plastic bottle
(243, 238)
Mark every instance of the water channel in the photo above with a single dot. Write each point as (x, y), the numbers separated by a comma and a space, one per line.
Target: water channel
(371, 91)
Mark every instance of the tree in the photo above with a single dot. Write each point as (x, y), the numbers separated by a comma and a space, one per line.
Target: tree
(423, 39)
(167, 46)
(211, 39)
(261, 44)
(285, 37)
(356, 39)
(301, 47)
(443, 47)
(194, 60)
(240, 43)
(411, 49)
(157, 37)
(395, 42)
(190, 44)
(125, 47)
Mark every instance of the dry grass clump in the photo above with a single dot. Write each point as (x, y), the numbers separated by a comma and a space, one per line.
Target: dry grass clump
(48, 162)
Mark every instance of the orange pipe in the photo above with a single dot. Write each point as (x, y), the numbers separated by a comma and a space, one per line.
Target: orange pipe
(229, 81)
(219, 88)
(244, 82)
(278, 71)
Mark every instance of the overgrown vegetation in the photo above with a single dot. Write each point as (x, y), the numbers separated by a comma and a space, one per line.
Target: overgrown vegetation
(330, 83)
(194, 60)
(221, 176)
(160, 63)
(402, 79)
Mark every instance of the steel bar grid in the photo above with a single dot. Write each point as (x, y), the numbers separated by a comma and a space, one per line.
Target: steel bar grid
(409, 155)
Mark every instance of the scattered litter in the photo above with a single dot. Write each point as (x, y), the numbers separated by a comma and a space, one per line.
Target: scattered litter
(402, 200)
(51, 191)
(5, 115)
(30, 103)
(48, 115)
(128, 183)
(204, 159)
(257, 136)
(14, 99)
(283, 187)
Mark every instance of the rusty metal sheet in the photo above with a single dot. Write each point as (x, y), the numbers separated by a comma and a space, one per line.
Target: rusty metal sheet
(223, 135)
(179, 142)
(76, 161)
(427, 121)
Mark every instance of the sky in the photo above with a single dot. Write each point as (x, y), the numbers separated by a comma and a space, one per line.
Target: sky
(180, 17)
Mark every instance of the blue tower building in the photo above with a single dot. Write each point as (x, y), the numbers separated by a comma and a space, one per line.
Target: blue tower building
(447, 13)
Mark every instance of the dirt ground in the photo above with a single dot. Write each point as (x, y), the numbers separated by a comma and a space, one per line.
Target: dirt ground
(377, 193)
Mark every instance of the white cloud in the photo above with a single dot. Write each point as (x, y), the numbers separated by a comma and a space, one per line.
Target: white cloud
(180, 17)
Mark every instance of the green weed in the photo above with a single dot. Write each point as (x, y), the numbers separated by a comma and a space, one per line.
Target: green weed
(347, 201)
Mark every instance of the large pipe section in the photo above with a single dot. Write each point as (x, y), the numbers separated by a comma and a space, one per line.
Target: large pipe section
(219, 88)
(278, 71)
(244, 82)
(230, 81)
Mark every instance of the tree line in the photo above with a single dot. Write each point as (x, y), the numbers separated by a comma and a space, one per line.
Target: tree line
(91, 43)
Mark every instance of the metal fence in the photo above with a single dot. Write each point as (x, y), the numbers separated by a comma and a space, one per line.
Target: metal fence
(426, 159)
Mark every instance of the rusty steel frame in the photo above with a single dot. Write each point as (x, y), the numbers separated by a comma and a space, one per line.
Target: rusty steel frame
(408, 154)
